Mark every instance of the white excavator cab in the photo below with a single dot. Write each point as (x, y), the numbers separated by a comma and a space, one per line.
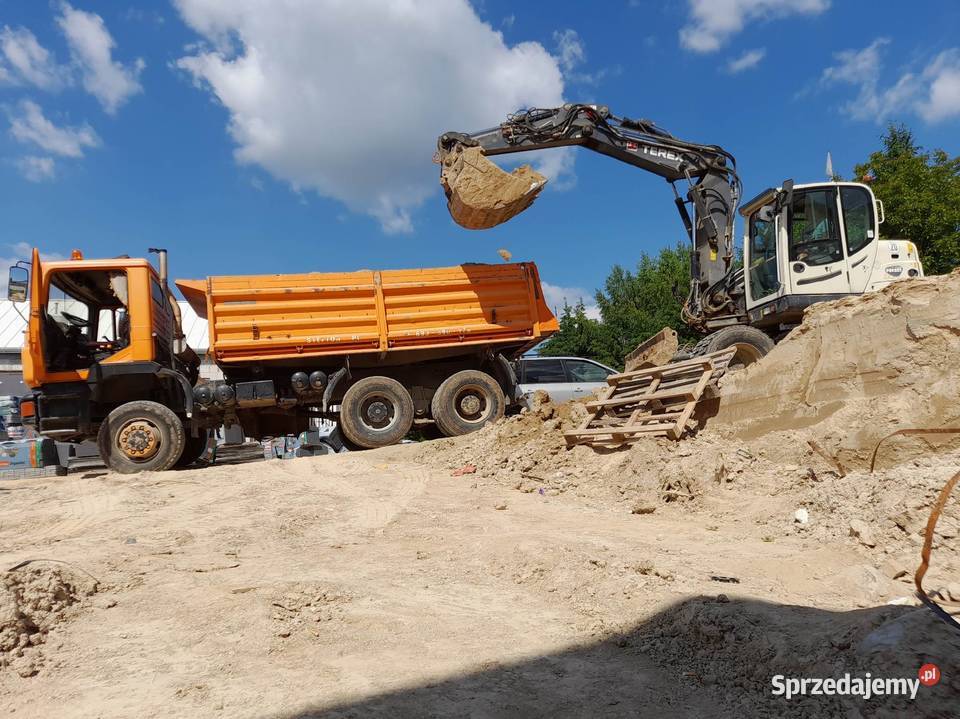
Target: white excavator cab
(809, 243)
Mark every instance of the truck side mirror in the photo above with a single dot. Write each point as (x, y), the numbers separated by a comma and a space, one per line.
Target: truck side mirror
(19, 280)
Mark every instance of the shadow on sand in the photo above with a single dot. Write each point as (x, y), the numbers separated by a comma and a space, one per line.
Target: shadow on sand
(702, 657)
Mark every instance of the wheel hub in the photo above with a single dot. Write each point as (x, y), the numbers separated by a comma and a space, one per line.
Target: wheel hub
(139, 439)
(470, 405)
(377, 411)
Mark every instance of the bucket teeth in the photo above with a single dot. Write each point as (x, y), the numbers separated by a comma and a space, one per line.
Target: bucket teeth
(479, 194)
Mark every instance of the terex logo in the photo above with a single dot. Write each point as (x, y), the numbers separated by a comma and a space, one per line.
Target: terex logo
(659, 152)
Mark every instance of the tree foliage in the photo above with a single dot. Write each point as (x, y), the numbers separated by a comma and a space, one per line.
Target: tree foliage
(920, 192)
(633, 306)
(579, 335)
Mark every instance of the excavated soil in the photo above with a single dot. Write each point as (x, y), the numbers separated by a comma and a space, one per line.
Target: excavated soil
(34, 599)
(502, 574)
(480, 195)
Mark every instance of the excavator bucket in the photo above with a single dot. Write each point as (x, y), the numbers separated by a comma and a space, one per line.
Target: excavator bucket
(479, 194)
(653, 352)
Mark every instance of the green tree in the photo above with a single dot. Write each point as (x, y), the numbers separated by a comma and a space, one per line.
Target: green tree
(635, 306)
(579, 335)
(920, 192)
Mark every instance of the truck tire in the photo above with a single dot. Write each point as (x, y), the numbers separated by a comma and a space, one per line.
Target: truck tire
(751, 344)
(376, 412)
(466, 401)
(141, 436)
(193, 448)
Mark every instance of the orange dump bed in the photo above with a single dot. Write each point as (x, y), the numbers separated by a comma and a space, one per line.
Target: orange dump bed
(256, 318)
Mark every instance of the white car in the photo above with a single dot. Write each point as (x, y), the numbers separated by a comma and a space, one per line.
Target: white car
(563, 378)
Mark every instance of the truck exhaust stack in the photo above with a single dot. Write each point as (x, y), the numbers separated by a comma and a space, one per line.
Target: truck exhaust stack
(479, 194)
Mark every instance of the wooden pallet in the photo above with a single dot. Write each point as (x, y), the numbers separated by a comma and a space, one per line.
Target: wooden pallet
(657, 401)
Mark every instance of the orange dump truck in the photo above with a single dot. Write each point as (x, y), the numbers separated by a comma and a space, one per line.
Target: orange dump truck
(105, 354)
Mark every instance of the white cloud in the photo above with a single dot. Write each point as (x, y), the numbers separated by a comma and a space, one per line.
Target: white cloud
(557, 165)
(91, 47)
(749, 59)
(347, 99)
(713, 22)
(36, 169)
(25, 60)
(933, 94)
(570, 49)
(556, 297)
(31, 126)
(942, 76)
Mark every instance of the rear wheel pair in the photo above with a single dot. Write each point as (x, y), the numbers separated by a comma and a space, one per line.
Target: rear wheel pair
(378, 411)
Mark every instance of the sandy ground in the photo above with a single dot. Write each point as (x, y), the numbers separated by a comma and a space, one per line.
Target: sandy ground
(364, 584)
(663, 579)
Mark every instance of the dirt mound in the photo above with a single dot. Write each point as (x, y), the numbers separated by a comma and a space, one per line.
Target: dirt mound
(789, 449)
(32, 600)
(856, 370)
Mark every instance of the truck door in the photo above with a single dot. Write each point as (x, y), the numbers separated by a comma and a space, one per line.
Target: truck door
(816, 261)
(859, 234)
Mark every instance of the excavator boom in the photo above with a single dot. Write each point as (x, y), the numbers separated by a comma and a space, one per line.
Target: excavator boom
(480, 195)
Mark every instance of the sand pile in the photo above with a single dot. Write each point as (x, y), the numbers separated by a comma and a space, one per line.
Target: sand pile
(856, 370)
(33, 599)
(479, 194)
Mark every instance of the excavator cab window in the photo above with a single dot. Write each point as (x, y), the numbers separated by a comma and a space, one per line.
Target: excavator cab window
(814, 231)
(764, 279)
(80, 321)
(857, 218)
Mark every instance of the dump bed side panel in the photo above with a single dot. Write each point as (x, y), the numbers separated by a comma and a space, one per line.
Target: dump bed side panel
(259, 318)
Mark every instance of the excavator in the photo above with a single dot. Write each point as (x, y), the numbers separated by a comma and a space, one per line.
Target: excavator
(802, 243)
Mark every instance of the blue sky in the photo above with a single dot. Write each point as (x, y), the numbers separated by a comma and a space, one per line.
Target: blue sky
(256, 137)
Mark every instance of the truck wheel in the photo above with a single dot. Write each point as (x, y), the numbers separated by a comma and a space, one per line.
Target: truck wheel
(375, 412)
(193, 448)
(140, 436)
(466, 401)
(751, 344)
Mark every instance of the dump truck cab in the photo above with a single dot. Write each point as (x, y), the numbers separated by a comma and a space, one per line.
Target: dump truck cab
(101, 333)
(815, 242)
